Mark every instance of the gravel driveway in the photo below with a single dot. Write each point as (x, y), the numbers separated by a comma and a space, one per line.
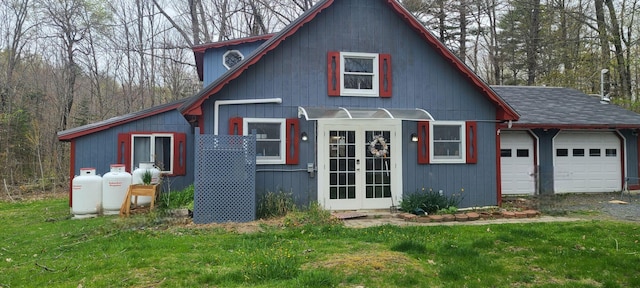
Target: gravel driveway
(590, 205)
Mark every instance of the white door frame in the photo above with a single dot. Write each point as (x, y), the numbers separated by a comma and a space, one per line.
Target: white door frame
(395, 126)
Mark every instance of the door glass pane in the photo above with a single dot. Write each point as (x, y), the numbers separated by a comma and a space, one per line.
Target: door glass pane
(342, 165)
(378, 162)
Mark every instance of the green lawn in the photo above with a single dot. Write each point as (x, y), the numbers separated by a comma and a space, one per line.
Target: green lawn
(41, 247)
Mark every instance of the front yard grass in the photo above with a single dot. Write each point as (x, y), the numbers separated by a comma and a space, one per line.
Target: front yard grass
(41, 247)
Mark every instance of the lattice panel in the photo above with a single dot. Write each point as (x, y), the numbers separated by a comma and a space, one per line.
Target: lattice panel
(225, 179)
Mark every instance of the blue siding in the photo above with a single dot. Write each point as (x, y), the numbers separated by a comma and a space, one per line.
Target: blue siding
(475, 183)
(99, 150)
(296, 72)
(213, 66)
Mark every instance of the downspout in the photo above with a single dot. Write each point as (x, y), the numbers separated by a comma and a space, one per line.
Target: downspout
(216, 106)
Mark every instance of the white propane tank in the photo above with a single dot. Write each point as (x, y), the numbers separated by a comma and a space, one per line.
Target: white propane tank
(115, 185)
(86, 194)
(137, 179)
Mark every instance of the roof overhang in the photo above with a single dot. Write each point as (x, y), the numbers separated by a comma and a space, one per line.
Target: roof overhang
(323, 113)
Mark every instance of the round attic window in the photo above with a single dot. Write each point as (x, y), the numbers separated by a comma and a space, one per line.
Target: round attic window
(231, 58)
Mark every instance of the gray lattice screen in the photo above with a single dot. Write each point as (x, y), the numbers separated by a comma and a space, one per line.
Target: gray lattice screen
(225, 179)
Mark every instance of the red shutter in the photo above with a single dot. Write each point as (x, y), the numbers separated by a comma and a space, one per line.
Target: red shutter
(472, 136)
(124, 150)
(385, 75)
(293, 141)
(235, 126)
(333, 73)
(179, 154)
(423, 142)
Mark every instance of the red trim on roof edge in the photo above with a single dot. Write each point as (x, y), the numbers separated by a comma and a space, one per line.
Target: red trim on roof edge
(203, 47)
(81, 133)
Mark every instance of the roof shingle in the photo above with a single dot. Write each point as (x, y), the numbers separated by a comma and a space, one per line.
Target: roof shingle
(564, 107)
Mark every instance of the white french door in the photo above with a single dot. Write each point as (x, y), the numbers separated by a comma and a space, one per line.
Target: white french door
(358, 164)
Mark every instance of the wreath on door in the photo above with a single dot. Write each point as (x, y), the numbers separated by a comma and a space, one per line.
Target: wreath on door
(378, 146)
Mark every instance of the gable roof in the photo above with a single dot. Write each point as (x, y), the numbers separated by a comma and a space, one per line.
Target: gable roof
(193, 105)
(70, 134)
(199, 50)
(554, 107)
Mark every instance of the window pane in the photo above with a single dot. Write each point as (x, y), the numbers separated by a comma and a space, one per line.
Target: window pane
(358, 81)
(562, 152)
(522, 153)
(141, 150)
(611, 152)
(578, 152)
(447, 149)
(594, 152)
(358, 65)
(446, 132)
(265, 130)
(268, 148)
(505, 152)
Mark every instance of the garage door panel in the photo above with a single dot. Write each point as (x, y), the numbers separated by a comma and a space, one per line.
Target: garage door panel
(587, 162)
(517, 163)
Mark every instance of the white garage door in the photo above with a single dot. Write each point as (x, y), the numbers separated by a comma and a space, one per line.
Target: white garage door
(587, 162)
(517, 163)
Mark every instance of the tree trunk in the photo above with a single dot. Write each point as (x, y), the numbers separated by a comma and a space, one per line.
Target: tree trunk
(621, 66)
(533, 42)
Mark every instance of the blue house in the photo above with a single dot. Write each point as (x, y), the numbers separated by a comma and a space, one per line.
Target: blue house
(353, 105)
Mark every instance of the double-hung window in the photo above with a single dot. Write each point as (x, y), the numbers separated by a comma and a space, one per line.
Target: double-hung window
(270, 139)
(359, 74)
(448, 142)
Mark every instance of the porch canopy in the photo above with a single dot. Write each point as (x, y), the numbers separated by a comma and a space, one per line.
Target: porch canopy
(317, 113)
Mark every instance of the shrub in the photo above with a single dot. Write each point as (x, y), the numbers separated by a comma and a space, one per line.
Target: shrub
(430, 202)
(274, 204)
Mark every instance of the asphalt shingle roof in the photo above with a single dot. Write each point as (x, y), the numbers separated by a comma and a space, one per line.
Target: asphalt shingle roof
(564, 107)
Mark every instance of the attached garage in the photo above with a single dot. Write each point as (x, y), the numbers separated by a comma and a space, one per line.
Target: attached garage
(517, 163)
(587, 162)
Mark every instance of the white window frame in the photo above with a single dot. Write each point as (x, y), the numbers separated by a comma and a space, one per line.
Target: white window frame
(264, 160)
(462, 158)
(152, 148)
(224, 58)
(374, 92)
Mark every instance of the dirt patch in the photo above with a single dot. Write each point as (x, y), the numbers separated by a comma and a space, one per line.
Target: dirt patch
(613, 206)
(240, 228)
(382, 262)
